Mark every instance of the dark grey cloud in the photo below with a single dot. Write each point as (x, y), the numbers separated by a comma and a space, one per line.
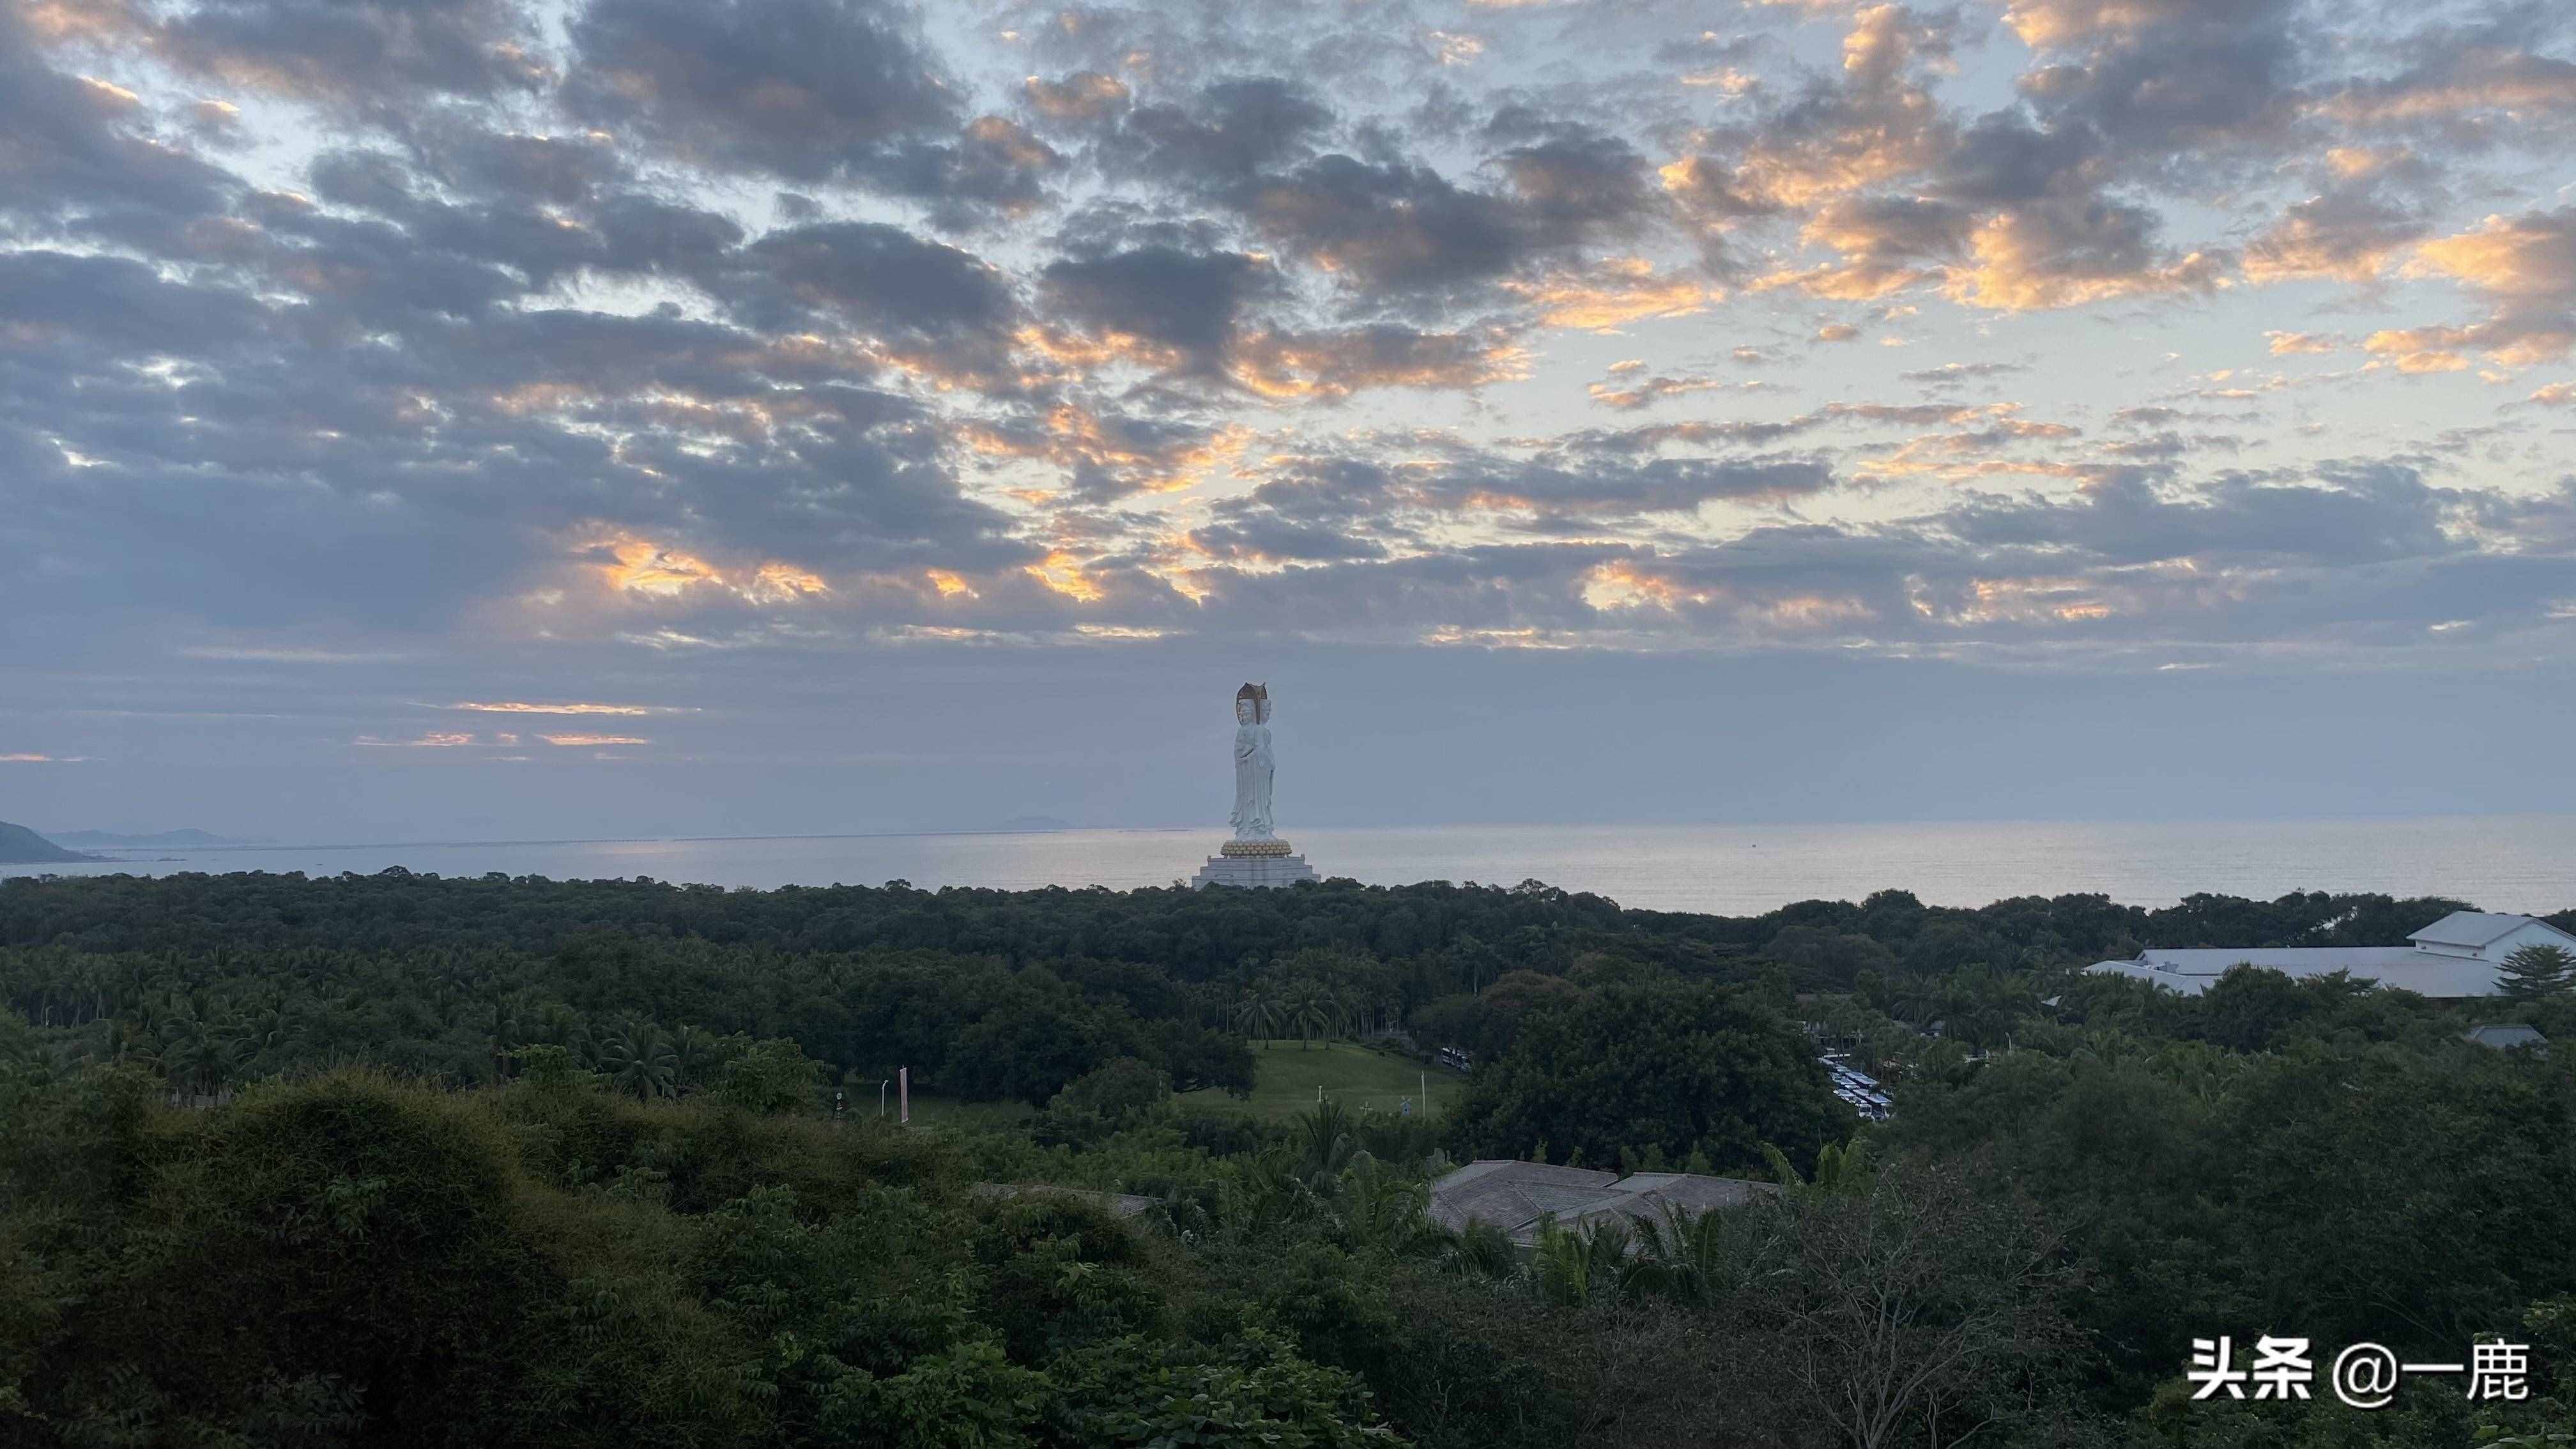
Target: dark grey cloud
(1229, 133)
(803, 89)
(1394, 227)
(372, 55)
(2157, 77)
(917, 295)
(1188, 302)
(76, 156)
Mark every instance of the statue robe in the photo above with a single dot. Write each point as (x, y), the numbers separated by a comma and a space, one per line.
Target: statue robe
(1252, 770)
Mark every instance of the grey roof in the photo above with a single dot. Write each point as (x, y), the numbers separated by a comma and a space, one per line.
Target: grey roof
(1507, 1193)
(2471, 928)
(2193, 970)
(1517, 1196)
(2504, 1037)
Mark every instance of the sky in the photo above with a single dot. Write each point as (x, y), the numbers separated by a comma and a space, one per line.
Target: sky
(424, 419)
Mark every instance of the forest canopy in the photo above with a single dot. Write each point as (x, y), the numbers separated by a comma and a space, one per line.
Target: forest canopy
(397, 1159)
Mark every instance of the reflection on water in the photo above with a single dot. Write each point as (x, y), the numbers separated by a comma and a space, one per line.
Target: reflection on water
(2505, 863)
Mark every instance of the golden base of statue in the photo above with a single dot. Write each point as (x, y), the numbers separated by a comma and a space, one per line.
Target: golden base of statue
(1254, 864)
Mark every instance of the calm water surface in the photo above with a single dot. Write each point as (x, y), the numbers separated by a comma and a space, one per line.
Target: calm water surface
(2502, 863)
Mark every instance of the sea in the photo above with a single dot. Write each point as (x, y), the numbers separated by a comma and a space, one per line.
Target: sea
(2519, 863)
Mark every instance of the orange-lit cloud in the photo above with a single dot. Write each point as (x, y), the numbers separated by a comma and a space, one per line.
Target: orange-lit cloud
(1621, 585)
(639, 566)
(2020, 263)
(1062, 572)
(594, 739)
(1615, 293)
(648, 568)
(2285, 343)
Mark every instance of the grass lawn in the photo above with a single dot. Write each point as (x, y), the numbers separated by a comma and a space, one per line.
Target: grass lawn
(1287, 1074)
(929, 1109)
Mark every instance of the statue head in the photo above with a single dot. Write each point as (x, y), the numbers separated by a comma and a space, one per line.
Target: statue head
(1252, 704)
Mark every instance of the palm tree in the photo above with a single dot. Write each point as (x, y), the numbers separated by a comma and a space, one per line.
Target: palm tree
(1309, 1010)
(1258, 1015)
(638, 1058)
(1572, 1266)
(693, 1053)
(1842, 1170)
(1380, 1210)
(508, 1034)
(1917, 998)
(1327, 1144)
(1699, 1258)
(1482, 1250)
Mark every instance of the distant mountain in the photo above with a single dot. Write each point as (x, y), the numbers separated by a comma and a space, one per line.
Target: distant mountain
(164, 838)
(1036, 822)
(21, 846)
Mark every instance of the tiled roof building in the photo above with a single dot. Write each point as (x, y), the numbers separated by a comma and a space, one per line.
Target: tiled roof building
(1515, 1196)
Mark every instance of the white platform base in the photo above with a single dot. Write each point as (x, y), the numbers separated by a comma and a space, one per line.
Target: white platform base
(1254, 870)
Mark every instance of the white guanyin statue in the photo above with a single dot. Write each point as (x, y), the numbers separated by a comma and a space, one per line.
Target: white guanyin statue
(1256, 856)
(1253, 766)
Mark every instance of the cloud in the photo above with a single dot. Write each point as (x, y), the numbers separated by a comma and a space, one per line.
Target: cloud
(2285, 343)
(359, 54)
(1615, 293)
(1627, 391)
(2072, 254)
(2526, 265)
(2348, 234)
(1950, 373)
(1179, 305)
(1080, 97)
(803, 89)
(639, 338)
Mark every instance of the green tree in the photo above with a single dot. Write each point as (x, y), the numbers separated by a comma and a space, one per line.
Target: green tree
(1678, 1068)
(771, 1078)
(638, 1059)
(2538, 970)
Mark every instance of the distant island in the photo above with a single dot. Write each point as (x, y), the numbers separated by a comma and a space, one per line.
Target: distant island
(1036, 822)
(164, 839)
(21, 846)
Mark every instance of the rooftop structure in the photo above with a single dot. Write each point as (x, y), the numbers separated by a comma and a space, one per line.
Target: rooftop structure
(2506, 1038)
(2455, 957)
(1516, 1196)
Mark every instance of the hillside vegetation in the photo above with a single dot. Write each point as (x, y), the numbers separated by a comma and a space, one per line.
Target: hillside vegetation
(401, 1160)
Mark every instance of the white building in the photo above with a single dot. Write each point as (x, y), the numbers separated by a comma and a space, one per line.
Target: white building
(2456, 956)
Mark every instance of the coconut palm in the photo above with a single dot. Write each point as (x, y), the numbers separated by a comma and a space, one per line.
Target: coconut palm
(1380, 1210)
(1700, 1258)
(1309, 1011)
(638, 1058)
(1574, 1266)
(1481, 1250)
(1327, 1143)
(693, 1056)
